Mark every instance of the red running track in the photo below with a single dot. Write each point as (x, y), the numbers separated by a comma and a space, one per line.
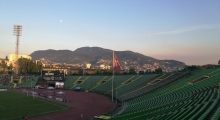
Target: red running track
(90, 104)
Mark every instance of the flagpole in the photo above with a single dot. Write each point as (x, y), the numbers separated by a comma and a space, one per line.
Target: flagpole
(113, 73)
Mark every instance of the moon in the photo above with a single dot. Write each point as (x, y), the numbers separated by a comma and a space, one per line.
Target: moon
(61, 20)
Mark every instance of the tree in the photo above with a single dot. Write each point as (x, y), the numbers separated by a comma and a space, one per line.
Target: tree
(3, 67)
(107, 72)
(158, 71)
(6, 57)
(132, 71)
(10, 66)
(98, 71)
(27, 66)
(192, 68)
(3, 64)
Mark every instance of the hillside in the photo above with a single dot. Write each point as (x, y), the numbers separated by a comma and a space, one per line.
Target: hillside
(97, 56)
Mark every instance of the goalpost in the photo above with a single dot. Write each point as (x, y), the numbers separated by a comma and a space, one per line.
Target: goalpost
(31, 93)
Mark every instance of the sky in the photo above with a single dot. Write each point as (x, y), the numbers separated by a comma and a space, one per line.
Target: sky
(183, 30)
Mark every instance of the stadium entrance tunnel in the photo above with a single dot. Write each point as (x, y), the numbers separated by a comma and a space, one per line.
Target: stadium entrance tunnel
(127, 82)
(103, 81)
(200, 79)
(79, 81)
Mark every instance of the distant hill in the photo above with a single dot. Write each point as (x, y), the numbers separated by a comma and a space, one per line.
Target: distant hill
(97, 56)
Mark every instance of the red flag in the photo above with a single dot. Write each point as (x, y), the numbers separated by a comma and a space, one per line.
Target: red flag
(116, 65)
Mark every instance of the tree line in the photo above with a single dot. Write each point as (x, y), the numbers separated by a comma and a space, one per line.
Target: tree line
(27, 66)
(4, 67)
(131, 71)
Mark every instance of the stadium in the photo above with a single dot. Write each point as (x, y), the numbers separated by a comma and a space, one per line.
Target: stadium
(56, 60)
(179, 95)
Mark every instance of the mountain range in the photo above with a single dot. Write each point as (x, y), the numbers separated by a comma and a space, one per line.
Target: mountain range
(97, 56)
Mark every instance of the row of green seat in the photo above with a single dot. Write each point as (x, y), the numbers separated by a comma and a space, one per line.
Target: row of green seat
(27, 81)
(156, 83)
(175, 101)
(104, 83)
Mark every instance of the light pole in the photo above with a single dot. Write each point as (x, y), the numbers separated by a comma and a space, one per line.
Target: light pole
(17, 33)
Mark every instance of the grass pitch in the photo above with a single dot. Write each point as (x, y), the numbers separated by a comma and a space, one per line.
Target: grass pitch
(13, 106)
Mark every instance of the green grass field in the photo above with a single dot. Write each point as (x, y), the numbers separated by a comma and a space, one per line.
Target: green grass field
(13, 106)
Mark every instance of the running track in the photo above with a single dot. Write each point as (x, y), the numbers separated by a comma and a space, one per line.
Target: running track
(90, 104)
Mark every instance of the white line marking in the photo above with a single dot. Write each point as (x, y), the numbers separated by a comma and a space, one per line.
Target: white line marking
(63, 108)
(39, 100)
(51, 103)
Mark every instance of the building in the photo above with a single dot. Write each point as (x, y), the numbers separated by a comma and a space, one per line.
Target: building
(102, 66)
(76, 71)
(88, 66)
(12, 57)
(107, 67)
(89, 71)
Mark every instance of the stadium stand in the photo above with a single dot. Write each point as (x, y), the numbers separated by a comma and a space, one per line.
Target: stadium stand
(103, 84)
(99, 82)
(9, 82)
(136, 81)
(151, 85)
(76, 81)
(5, 82)
(179, 100)
(180, 95)
(27, 81)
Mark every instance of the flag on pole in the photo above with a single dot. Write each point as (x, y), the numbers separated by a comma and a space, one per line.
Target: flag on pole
(116, 65)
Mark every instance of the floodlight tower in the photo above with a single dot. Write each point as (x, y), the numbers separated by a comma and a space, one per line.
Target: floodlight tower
(17, 33)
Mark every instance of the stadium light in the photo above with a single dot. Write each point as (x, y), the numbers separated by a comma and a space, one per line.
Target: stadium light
(17, 32)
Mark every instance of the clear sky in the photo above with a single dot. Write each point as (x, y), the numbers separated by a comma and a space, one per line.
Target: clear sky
(184, 30)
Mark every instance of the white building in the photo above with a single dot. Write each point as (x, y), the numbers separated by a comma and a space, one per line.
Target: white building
(102, 66)
(88, 66)
(12, 57)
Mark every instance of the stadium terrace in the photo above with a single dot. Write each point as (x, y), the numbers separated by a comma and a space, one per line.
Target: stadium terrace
(189, 94)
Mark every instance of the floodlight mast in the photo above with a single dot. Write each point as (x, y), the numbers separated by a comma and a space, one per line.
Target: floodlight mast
(17, 33)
